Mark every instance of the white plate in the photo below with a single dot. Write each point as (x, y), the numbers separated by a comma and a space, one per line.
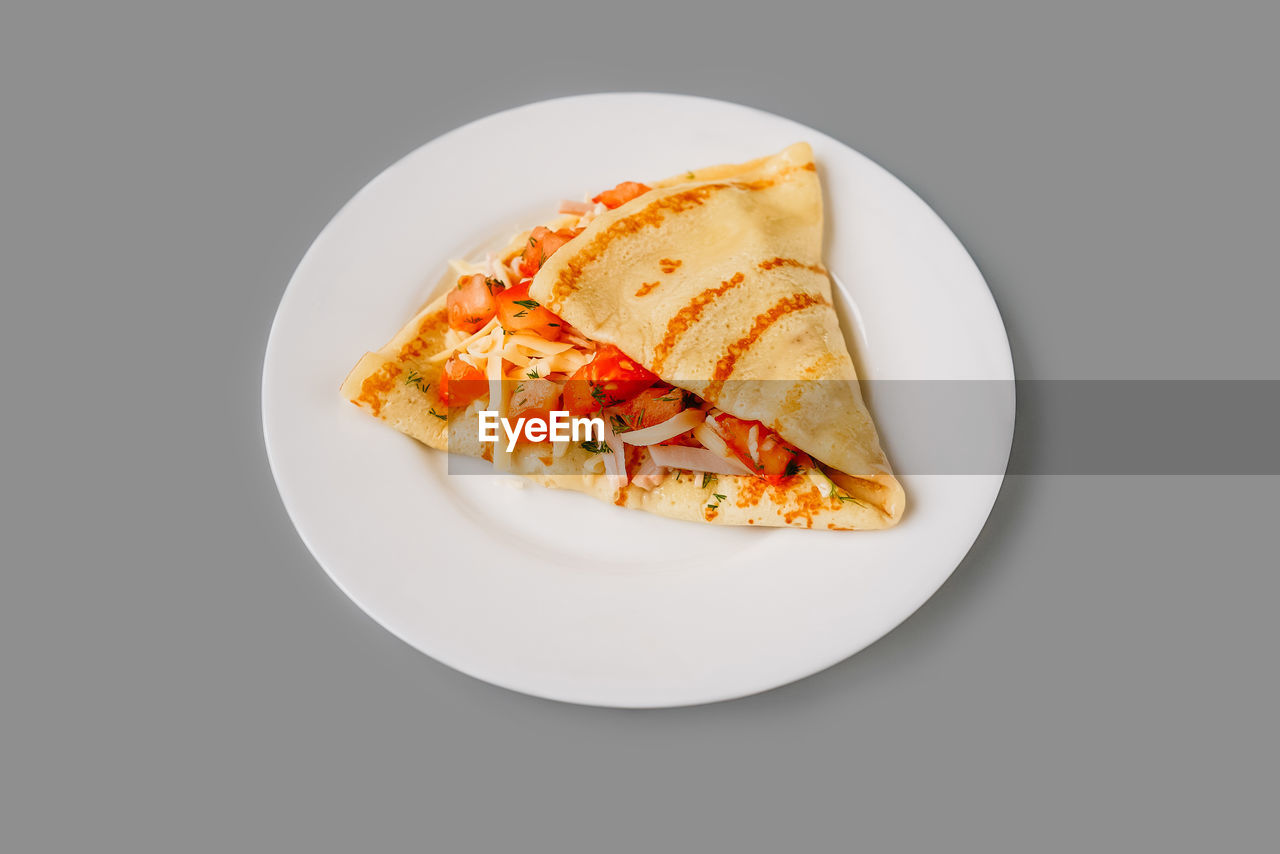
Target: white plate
(556, 594)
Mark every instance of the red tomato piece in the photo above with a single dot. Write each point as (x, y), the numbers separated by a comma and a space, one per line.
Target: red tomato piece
(461, 383)
(621, 194)
(534, 400)
(543, 242)
(777, 457)
(471, 304)
(649, 407)
(518, 312)
(608, 379)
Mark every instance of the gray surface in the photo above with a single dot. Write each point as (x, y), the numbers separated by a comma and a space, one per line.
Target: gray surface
(178, 675)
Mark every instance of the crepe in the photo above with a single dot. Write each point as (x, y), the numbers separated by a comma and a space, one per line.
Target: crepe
(713, 281)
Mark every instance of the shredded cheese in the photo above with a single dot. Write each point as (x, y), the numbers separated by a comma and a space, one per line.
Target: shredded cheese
(497, 270)
(568, 362)
(465, 343)
(536, 343)
(463, 267)
(577, 339)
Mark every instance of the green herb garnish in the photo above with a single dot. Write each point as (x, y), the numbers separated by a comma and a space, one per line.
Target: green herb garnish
(416, 379)
(622, 424)
(596, 447)
(835, 491)
(432, 410)
(528, 306)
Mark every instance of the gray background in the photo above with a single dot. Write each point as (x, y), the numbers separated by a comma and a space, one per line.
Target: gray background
(178, 675)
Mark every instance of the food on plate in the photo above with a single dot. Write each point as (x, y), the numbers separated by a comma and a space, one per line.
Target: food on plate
(690, 320)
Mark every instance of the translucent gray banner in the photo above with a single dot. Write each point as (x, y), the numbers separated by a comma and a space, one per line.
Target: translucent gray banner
(1061, 427)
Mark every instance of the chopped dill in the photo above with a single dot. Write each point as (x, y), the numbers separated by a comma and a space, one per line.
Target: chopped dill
(416, 379)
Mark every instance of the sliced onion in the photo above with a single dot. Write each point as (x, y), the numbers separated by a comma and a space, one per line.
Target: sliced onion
(568, 206)
(573, 337)
(681, 422)
(497, 270)
(707, 434)
(695, 459)
(649, 474)
(615, 462)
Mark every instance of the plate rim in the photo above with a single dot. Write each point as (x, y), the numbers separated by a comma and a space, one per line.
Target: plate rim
(1006, 367)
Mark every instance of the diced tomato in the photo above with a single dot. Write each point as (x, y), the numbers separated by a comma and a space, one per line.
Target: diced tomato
(461, 383)
(534, 400)
(649, 407)
(609, 378)
(543, 242)
(518, 312)
(778, 458)
(471, 304)
(621, 194)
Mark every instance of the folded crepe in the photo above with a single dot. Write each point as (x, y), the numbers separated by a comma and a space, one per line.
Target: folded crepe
(712, 282)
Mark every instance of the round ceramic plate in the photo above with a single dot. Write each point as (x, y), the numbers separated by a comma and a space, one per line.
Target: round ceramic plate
(553, 593)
